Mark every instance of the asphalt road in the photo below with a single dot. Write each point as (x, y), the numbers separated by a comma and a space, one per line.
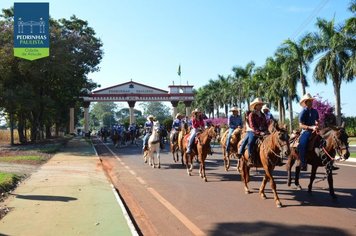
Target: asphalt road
(167, 201)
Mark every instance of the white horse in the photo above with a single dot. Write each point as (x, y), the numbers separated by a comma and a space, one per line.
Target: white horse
(153, 146)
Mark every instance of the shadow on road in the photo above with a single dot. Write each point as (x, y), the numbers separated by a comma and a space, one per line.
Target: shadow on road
(268, 229)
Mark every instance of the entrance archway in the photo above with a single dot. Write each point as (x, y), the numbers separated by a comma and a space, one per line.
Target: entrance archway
(132, 92)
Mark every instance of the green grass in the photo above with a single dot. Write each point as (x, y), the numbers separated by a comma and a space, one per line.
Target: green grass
(22, 159)
(352, 140)
(353, 155)
(7, 181)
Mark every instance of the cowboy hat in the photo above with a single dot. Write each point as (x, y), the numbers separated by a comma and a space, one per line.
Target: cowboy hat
(265, 107)
(178, 115)
(150, 117)
(305, 98)
(255, 102)
(235, 109)
(196, 110)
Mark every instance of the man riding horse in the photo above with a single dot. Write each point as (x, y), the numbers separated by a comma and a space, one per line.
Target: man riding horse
(258, 128)
(148, 131)
(176, 127)
(234, 121)
(197, 126)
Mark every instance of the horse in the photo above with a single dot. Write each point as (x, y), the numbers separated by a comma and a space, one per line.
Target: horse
(153, 146)
(324, 145)
(270, 150)
(115, 137)
(201, 148)
(235, 139)
(177, 148)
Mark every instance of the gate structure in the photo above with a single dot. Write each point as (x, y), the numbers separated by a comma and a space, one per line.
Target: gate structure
(132, 92)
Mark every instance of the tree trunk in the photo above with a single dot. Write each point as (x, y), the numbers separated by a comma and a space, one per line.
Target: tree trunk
(290, 113)
(48, 131)
(12, 128)
(337, 87)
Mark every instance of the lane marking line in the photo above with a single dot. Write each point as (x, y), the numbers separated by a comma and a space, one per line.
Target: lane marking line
(190, 225)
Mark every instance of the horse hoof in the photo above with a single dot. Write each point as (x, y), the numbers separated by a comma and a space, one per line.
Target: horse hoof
(279, 205)
(205, 179)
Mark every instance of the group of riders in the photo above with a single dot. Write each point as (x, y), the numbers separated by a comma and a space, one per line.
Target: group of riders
(255, 123)
(120, 131)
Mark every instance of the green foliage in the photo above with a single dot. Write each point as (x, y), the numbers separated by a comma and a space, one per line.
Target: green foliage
(157, 109)
(7, 181)
(168, 123)
(350, 126)
(39, 93)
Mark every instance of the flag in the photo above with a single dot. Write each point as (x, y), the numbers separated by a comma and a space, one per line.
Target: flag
(179, 72)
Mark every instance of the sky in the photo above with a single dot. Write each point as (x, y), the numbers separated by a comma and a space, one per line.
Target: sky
(146, 40)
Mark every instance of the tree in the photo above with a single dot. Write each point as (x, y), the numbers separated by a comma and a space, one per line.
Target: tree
(104, 112)
(43, 90)
(157, 109)
(336, 50)
(299, 55)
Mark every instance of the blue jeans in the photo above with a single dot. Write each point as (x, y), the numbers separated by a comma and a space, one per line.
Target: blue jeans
(228, 138)
(145, 139)
(251, 141)
(193, 133)
(303, 143)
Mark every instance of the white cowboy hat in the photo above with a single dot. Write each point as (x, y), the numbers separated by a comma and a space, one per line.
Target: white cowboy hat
(305, 98)
(150, 117)
(265, 107)
(235, 109)
(196, 110)
(178, 115)
(255, 102)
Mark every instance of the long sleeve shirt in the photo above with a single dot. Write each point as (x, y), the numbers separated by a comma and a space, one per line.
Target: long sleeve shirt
(197, 123)
(234, 121)
(258, 122)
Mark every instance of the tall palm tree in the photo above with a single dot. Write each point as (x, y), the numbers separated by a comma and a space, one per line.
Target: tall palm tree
(299, 55)
(336, 50)
(243, 78)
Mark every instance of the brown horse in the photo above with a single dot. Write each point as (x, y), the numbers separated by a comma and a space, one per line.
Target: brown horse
(201, 148)
(322, 151)
(177, 147)
(271, 149)
(234, 141)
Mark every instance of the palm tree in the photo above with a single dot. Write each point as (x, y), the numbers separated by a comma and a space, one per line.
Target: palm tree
(336, 50)
(243, 78)
(300, 56)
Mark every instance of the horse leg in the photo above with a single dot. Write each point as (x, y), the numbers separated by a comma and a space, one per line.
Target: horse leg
(273, 187)
(159, 159)
(245, 176)
(186, 158)
(331, 184)
(202, 170)
(296, 177)
(262, 187)
(226, 165)
(312, 177)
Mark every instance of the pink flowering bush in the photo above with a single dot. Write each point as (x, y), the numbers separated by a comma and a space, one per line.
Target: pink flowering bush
(325, 110)
(221, 122)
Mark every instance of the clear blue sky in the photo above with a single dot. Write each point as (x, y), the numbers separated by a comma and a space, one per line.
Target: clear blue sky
(146, 40)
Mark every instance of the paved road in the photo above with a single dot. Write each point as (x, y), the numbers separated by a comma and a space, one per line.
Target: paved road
(167, 201)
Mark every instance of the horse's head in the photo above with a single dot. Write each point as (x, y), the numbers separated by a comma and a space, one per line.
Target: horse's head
(339, 139)
(156, 126)
(281, 138)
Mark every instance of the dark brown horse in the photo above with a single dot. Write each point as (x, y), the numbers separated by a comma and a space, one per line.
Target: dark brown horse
(324, 146)
(177, 147)
(201, 148)
(271, 149)
(234, 141)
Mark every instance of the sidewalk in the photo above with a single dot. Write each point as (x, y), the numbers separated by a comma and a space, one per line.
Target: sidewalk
(69, 195)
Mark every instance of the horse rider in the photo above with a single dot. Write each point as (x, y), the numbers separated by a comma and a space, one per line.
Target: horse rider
(234, 120)
(197, 125)
(176, 127)
(258, 125)
(148, 130)
(267, 113)
(308, 122)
